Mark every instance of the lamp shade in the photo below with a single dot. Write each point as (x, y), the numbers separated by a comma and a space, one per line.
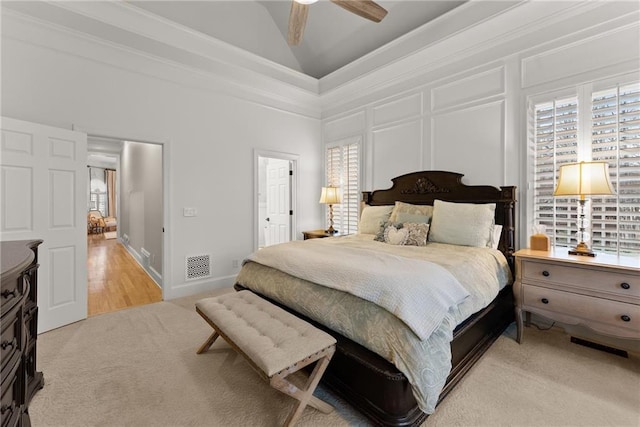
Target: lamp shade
(330, 195)
(584, 179)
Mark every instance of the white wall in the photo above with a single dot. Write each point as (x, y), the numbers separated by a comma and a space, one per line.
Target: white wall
(460, 104)
(141, 202)
(457, 104)
(208, 138)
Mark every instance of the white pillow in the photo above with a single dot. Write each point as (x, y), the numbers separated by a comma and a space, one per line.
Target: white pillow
(372, 218)
(466, 224)
(495, 236)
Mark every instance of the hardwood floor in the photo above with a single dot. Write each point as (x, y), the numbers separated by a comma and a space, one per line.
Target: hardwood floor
(116, 280)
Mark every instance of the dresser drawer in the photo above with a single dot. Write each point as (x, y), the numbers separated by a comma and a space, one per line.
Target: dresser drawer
(12, 292)
(11, 338)
(613, 315)
(617, 283)
(9, 406)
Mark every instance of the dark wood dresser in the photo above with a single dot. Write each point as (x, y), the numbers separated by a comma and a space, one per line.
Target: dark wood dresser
(19, 311)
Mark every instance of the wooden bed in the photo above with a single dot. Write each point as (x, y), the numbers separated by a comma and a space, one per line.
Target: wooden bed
(373, 385)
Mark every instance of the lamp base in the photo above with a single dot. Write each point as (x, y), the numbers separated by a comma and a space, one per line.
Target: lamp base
(582, 249)
(331, 230)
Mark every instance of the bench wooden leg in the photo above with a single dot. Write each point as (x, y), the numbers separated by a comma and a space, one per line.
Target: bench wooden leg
(304, 397)
(208, 343)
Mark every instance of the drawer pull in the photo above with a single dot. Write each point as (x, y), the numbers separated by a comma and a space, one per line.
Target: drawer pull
(545, 301)
(625, 318)
(6, 344)
(6, 294)
(545, 273)
(625, 285)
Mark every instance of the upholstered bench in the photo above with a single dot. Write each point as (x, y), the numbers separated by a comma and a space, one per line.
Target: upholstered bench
(274, 342)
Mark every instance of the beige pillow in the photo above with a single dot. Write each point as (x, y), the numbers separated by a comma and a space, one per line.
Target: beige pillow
(466, 224)
(372, 218)
(408, 208)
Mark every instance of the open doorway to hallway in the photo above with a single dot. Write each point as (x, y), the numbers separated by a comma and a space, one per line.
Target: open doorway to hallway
(124, 260)
(275, 187)
(115, 279)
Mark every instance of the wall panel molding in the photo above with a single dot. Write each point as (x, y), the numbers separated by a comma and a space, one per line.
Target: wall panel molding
(472, 88)
(395, 150)
(399, 108)
(352, 124)
(607, 49)
(471, 141)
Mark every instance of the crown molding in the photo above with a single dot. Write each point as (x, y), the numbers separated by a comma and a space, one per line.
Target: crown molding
(226, 79)
(138, 21)
(436, 31)
(508, 32)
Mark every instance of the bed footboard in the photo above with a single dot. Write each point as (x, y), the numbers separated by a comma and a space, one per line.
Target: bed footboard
(378, 390)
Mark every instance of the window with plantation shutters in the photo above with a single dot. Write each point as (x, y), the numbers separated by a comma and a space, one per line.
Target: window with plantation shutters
(343, 170)
(615, 220)
(609, 131)
(556, 143)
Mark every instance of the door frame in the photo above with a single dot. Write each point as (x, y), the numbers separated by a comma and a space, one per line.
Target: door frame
(166, 193)
(293, 200)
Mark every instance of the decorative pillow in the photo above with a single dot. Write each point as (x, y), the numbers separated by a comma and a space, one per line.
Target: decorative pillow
(417, 235)
(466, 224)
(404, 217)
(380, 234)
(372, 218)
(410, 209)
(395, 235)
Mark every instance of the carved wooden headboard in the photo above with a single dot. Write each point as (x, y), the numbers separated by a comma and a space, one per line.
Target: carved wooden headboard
(422, 188)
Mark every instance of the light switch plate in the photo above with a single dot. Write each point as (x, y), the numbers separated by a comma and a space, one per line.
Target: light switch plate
(189, 212)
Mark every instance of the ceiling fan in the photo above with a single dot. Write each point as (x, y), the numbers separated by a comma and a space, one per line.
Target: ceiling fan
(300, 8)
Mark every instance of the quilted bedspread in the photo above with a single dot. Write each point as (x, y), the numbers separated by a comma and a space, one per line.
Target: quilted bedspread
(482, 272)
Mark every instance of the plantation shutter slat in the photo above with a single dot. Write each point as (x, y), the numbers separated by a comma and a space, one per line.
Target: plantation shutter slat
(616, 140)
(556, 143)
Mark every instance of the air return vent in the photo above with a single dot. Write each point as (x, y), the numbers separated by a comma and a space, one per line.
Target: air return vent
(198, 266)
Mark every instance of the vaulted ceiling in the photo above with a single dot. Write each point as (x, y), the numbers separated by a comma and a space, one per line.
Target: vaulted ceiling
(333, 36)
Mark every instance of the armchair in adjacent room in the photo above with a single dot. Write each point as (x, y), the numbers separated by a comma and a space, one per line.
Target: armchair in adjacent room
(95, 222)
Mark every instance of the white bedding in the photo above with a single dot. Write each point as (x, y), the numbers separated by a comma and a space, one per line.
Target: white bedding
(419, 292)
(426, 363)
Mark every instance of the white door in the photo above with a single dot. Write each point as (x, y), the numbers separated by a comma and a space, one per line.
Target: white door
(278, 202)
(43, 185)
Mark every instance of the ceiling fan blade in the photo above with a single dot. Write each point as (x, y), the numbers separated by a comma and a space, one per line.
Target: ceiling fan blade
(365, 8)
(297, 21)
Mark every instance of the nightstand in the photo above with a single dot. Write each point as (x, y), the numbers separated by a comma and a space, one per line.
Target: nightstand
(601, 293)
(317, 234)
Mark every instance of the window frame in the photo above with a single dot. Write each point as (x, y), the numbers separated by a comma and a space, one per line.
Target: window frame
(583, 92)
(355, 203)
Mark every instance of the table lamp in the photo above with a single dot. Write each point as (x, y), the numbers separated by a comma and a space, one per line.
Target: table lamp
(583, 179)
(330, 196)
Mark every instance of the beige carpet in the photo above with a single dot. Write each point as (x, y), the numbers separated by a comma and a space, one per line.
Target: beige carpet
(138, 367)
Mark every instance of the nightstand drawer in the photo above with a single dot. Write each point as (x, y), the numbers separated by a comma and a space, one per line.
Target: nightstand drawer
(623, 284)
(590, 310)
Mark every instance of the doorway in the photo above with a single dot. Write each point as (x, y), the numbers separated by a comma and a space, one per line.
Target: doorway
(275, 197)
(125, 265)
